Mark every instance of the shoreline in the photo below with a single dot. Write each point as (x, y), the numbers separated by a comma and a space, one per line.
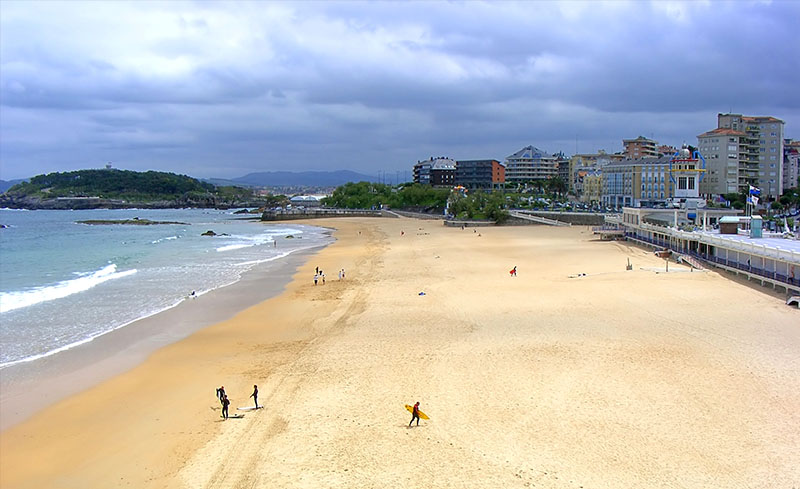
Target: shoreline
(28, 387)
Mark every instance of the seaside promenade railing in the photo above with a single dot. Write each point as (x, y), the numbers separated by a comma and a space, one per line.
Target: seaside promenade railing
(733, 264)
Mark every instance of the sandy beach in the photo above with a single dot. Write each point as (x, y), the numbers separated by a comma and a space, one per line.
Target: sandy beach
(574, 374)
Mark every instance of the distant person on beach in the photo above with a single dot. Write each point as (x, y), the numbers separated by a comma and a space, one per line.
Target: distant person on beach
(343, 277)
(323, 276)
(221, 393)
(254, 395)
(316, 277)
(225, 404)
(340, 273)
(414, 414)
(316, 270)
(193, 294)
(402, 233)
(513, 271)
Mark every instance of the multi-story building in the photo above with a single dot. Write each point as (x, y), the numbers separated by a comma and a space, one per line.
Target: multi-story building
(591, 183)
(586, 162)
(637, 183)
(729, 165)
(666, 150)
(791, 163)
(438, 172)
(760, 151)
(530, 163)
(640, 147)
(480, 174)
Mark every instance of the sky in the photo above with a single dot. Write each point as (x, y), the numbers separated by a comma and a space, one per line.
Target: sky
(220, 90)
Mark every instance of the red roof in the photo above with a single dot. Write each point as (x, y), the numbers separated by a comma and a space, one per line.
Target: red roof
(722, 131)
(760, 119)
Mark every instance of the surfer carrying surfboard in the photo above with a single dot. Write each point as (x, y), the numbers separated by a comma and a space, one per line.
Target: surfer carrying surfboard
(414, 414)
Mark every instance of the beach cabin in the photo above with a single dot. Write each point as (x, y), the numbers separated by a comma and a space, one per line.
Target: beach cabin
(729, 225)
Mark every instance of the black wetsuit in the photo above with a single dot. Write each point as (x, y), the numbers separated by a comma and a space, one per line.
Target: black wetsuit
(414, 415)
(225, 404)
(254, 395)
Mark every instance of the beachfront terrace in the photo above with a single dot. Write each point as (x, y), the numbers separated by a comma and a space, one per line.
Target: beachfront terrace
(770, 260)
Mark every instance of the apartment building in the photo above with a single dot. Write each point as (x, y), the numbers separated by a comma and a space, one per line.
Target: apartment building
(640, 147)
(758, 154)
(729, 165)
(637, 183)
(586, 162)
(480, 174)
(791, 163)
(530, 163)
(438, 172)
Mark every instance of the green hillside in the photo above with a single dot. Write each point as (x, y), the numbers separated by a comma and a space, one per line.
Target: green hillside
(93, 189)
(112, 184)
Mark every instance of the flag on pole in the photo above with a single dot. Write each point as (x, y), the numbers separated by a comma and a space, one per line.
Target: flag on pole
(755, 200)
(754, 190)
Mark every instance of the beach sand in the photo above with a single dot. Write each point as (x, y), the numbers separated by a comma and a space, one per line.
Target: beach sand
(550, 379)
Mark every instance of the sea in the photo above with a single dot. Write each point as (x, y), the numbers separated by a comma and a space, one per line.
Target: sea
(63, 283)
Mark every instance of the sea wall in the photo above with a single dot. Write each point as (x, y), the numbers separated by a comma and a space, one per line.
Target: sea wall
(294, 214)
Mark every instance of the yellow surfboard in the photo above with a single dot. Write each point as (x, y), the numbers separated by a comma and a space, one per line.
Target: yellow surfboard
(421, 414)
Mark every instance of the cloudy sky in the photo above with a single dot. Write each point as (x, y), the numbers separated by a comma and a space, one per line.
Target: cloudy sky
(224, 89)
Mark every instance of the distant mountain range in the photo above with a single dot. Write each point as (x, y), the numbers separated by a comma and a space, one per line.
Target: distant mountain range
(7, 184)
(306, 178)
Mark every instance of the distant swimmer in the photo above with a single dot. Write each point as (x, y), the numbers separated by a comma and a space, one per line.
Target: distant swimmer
(513, 271)
(221, 393)
(414, 414)
(225, 404)
(193, 294)
(254, 395)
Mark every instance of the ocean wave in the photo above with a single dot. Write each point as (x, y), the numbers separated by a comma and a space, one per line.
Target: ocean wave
(168, 238)
(25, 298)
(247, 241)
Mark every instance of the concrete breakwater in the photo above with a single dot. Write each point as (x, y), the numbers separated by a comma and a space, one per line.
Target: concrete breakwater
(294, 214)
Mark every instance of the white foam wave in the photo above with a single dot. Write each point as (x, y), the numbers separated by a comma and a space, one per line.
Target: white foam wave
(246, 241)
(25, 298)
(169, 238)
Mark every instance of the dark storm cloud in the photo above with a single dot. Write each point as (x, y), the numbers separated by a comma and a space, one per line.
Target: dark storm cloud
(213, 90)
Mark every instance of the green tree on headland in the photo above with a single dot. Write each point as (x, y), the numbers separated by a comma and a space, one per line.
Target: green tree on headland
(110, 188)
(111, 184)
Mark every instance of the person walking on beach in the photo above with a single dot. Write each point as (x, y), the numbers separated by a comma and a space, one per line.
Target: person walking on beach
(322, 274)
(316, 277)
(226, 403)
(343, 274)
(513, 271)
(414, 414)
(254, 395)
(221, 393)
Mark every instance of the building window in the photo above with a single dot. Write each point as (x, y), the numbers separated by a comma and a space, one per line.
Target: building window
(681, 183)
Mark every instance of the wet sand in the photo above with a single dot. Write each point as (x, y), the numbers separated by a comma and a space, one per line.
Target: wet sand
(549, 379)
